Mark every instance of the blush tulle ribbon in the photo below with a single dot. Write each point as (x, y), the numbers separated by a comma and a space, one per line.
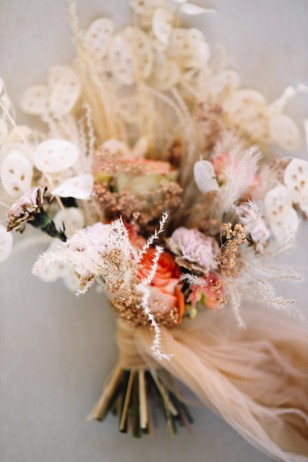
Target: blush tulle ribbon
(256, 378)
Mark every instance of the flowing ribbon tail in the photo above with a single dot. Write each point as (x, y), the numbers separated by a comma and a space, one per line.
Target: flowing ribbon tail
(256, 379)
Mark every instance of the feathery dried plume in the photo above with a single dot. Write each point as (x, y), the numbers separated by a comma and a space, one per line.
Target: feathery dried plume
(143, 288)
(254, 282)
(239, 172)
(90, 131)
(154, 236)
(192, 280)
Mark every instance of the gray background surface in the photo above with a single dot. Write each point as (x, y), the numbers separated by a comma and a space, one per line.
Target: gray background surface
(56, 349)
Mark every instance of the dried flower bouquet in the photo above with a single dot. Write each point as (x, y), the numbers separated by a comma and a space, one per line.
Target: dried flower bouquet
(157, 181)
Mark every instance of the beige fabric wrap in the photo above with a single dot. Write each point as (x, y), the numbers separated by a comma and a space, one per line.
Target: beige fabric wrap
(256, 379)
(129, 356)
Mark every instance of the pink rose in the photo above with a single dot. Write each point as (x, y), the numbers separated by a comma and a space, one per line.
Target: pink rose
(210, 295)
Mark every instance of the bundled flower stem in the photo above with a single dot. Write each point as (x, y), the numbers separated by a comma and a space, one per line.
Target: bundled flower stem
(135, 390)
(134, 396)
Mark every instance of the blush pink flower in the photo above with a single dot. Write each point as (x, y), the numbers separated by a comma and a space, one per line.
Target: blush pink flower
(194, 248)
(209, 295)
(219, 163)
(149, 166)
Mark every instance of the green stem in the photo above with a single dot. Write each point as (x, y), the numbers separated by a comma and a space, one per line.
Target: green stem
(45, 224)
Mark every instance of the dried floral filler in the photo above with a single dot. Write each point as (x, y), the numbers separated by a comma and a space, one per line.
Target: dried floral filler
(160, 180)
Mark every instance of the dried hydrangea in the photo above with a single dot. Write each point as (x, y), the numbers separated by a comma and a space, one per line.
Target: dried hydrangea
(98, 251)
(194, 250)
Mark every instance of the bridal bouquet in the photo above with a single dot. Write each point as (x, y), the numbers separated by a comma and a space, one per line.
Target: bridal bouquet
(171, 188)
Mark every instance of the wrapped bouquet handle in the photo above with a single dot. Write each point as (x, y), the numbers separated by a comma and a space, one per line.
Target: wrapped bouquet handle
(135, 381)
(256, 379)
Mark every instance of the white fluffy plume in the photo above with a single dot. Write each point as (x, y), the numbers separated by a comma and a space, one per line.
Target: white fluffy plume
(240, 171)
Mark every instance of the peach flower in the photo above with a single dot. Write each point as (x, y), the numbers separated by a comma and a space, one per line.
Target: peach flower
(148, 166)
(165, 292)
